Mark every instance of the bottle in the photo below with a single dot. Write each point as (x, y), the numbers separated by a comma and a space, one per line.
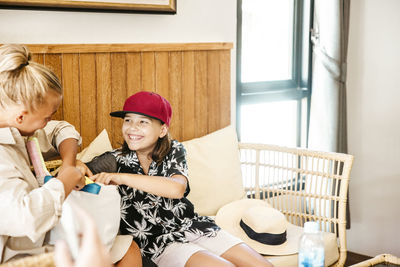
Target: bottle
(311, 246)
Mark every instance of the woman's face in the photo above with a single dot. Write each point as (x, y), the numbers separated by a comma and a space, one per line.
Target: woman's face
(141, 132)
(30, 121)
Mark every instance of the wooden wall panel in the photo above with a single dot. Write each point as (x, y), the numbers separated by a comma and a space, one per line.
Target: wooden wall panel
(213, 91)
(201, 93)
(188, 96)
(175, 94)
(118, 96)
(133, 73)
(225, 88)
(54, 62)
(103, 99)
(96, 80)
(148, 71)
(87, 85)
(71, 99)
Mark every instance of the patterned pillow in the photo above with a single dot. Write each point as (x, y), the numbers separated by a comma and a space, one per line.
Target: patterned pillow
(215, 177)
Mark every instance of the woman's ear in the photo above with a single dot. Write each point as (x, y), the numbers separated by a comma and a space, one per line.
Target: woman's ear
(164, 131)
(21, 116)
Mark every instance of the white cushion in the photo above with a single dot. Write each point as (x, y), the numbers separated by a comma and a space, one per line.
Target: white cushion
(215, 177)
(97, 147)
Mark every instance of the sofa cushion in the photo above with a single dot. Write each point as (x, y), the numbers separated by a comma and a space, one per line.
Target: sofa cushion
(214, 170)
(97, 147)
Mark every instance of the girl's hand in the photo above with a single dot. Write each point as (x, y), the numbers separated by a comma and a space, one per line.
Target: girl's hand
(107, 178)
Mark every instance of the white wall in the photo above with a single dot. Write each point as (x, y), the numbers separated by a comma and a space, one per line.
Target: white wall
(195, 21)
(373, 86)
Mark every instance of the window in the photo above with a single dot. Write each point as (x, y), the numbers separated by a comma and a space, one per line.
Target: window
(273, 71)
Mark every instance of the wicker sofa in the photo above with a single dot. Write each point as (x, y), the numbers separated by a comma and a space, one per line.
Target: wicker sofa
(303, 184)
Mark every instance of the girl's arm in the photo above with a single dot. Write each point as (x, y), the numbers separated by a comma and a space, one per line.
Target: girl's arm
(170, 187)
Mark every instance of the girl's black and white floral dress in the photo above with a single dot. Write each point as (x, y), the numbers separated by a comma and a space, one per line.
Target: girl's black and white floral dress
(154, 221)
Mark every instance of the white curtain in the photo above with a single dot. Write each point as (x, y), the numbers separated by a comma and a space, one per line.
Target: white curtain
(328, 125)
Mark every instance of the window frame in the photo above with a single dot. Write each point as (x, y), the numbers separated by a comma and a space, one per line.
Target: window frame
(298, 87)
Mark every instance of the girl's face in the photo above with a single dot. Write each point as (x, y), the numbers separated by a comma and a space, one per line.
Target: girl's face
(28, 122)
(141, 132)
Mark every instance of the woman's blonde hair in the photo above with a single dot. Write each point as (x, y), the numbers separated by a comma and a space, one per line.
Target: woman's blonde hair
(23, 81)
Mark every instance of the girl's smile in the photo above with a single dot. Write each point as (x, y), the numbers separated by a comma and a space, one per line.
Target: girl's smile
(135, 137)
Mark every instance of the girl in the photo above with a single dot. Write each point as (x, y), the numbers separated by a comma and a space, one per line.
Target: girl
(30, 94)
(151, 172)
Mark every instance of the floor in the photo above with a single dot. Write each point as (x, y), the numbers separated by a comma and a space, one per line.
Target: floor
(353, 258)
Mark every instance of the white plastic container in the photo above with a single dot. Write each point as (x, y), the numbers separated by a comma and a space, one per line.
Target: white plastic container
(311, 246)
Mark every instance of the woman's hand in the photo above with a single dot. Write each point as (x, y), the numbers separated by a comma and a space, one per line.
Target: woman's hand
(107, 178)
(70, 177)
(81, 181)
(83, 168)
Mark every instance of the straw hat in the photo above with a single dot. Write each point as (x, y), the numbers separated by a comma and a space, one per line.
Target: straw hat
(260, 226)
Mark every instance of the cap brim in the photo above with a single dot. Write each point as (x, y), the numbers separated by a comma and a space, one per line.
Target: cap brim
(228, 218)
(119, 114)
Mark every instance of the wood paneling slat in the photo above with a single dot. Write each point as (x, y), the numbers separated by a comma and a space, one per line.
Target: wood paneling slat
(70, 73)
(118, 96)
(188, 96)
(133, 73)
(103, 84)
(54, 62)
(201, 105)
(118, 48)
(225, 88)
(87, 63)
(162, 82)
(148, 72)
(213, 91)
(39, 58)
(175, 92)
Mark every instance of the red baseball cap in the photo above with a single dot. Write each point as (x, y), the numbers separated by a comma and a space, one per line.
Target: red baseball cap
(149, 104)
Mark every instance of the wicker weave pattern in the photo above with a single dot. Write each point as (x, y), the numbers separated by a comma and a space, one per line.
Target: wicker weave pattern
(303, 184)
(40, 260)
(53, 165)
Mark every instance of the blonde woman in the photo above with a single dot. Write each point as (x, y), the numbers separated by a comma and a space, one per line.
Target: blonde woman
(30, 94)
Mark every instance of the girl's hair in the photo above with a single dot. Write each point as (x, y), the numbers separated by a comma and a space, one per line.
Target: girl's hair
(23, 81)
(160, 151)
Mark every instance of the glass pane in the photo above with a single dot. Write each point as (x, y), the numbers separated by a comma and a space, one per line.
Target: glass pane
(267, 37)
(269, 123)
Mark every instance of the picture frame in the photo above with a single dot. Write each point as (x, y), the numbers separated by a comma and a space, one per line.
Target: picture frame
(135, 6)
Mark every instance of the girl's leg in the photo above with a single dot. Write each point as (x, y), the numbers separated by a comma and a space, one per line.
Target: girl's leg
(132, 257)
(242, 255)
(206, 258)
